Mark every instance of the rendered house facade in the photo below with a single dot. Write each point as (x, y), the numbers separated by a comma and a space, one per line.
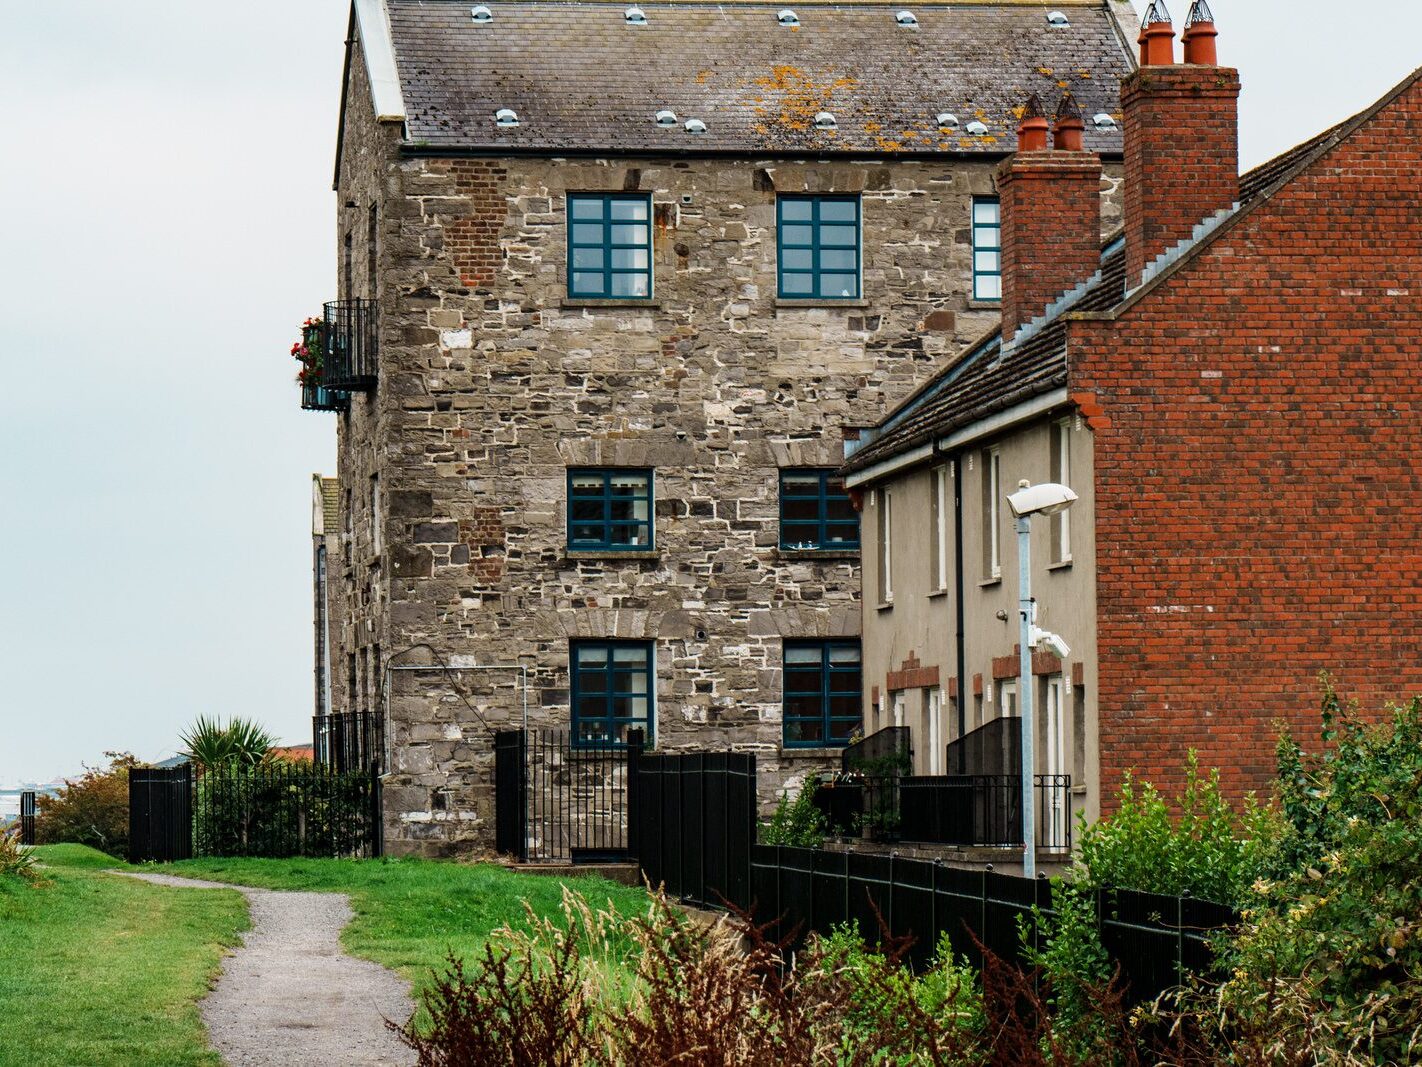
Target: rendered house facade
(628, 284)
(1230, 385)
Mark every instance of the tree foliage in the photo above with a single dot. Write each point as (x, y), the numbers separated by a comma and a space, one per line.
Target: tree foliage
(797, 822)
(211, 743)
(91, 810)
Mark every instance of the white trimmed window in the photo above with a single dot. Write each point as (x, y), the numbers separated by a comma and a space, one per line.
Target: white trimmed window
(992, 514)
(1061, 474)
(939, 578)
(885, 504)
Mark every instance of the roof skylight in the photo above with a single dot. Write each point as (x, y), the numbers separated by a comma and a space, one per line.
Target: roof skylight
(666, 118)
(977, 129)
(906, 18)
(825, 121)
(1103, 120)
(506, 117)
(787, 17)
(1057, 18)
(695, 127)
(947, 120)
(481, 14)
(635, 16)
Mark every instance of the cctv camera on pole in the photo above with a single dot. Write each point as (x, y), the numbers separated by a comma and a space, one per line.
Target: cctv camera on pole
(1029, 500)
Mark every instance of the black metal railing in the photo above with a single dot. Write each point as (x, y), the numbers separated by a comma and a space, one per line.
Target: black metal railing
(316, 393)
(27, 818)
(887, 751)
(281, 809)
(984, 810)
(993, 748)
(876, 764)
(557, 802)
(319, 398)
(348, 741)
(352, 358)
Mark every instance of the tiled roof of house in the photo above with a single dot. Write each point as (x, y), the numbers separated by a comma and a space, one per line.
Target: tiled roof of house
(580, 78)
(985, 381)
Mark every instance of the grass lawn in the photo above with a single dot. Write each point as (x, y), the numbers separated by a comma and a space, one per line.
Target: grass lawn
(410, 913)
(98, 969)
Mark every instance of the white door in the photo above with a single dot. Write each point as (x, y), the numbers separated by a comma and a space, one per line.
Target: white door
(899, 705)
(1055, 829)
(933, 712)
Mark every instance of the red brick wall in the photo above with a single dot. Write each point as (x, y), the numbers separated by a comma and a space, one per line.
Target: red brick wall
(1259, 483)
(1181, 154)
(474, 239)
(1051, 230)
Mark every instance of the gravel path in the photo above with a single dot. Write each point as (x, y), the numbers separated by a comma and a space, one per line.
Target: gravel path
(291, 996)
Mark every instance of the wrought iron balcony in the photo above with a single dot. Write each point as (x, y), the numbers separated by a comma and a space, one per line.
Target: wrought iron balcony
(352, 359)
(318, 398)
(310, 352)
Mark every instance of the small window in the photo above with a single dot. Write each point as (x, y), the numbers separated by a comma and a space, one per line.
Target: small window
(612, 691)
(987, 248)
(375, 521)
(933, 729)
(610, 510)
(823, 692)
(610, 246)
(992, 514)
(938, 546)
(819, 247)
(1061, 474)
(885, 530)
(1007, 699)
(815, 511)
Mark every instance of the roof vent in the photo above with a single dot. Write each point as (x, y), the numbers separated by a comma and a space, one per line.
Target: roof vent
(947, 120)
(506, 116)
(977, 129)
(666, 118)
(906, 18)
(481, 14)
(1103, 121)
(825, 121)
(635, 16)
(788, 17)
(1057, 18)
(695, 127)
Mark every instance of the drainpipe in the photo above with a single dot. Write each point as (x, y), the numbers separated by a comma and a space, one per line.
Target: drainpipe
(962, 701)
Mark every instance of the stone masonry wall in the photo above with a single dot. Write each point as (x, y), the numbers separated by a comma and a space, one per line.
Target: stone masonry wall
(493, 384)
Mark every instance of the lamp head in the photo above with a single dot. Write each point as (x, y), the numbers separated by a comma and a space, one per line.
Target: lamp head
(1046, 499)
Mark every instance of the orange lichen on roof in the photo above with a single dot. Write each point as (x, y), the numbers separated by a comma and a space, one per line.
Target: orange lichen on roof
(801, 97)
(703, 76)
(884, 144)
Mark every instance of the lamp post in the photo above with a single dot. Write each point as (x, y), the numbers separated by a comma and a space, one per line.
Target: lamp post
(1029, 500)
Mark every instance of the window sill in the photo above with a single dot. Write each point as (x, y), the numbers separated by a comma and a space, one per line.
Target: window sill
(988, 583)
(610, 554)
(884, 605)
(984, 305)
(938, 593)
(616, 302)
(828, 554)
(810, 752)
(1078, 790)
(1060, 565)
(820, 302)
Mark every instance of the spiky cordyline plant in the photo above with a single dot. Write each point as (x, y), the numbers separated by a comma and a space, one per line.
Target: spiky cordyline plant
(212, 743)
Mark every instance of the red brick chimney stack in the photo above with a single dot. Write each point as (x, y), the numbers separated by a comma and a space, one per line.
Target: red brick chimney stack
(1181, 138)
(1051, 215)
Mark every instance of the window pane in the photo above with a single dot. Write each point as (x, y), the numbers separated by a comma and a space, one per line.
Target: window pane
(836, 260)
(631, 707)
(797, 284)
(797, 235)
(587, 484)
(587, 233)
(989, 262)
(591, 655)
(633, 536)
(594, 731)
(844, 654)
(589, 284)
(842, 533)
(626, 234)
(629, 258)
(587, 259)
(989, 287)
(987, 237)
(841, 729)
(802, 733)
(634, 655)
(797, 259)
(806, 510)
(841, 236)
(800, 484)
(629, 209)
(796, 210)
(629, 285)
(587, 510)
(839, 285)
(587, 207)
(985, 211)
(838, 211)
(628, 483)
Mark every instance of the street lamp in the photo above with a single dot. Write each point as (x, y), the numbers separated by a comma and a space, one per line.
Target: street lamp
(1047, 499)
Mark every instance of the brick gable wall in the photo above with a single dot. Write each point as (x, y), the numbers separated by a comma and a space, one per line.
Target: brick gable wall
(1258, 481)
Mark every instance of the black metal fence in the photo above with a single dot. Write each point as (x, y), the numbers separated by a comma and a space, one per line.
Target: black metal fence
(27, 818)
(348, 741)
(984, 810)
(1156, 940)
(557, 801)
(273, 810)
(352, 363)
(160, 814)
(694, 825)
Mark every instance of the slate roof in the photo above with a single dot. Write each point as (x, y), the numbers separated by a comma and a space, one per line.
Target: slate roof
(581, 79)
(983, 381)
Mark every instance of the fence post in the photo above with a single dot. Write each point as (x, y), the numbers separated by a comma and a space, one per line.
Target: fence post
(27, 818)
(635, 740)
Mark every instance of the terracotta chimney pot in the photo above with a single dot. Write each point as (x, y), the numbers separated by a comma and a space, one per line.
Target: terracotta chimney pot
(1070, 126)
(1200, 34)
(1032, 133)
(1157, 39)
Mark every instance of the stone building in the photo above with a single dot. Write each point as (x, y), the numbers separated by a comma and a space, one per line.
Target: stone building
(1230, 385)
(614, 283)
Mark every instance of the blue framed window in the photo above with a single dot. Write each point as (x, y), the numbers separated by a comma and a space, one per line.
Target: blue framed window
(610, 246)
(818, 244)
(610, 509)
(815, 512)
(987, 248)
(823, 692)
(612, 691)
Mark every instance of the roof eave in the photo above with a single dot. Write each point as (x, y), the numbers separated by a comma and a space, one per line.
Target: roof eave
(378, 48)
(426, 151)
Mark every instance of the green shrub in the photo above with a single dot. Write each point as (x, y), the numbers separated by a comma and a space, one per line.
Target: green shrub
(1074, 964)
(17, 863)
(796, 822)
(1208, 850)
(211, 743)
(92, 810)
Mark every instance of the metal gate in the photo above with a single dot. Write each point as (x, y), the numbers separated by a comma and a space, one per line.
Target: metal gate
(557, 801)
(160, 814)
(27, 818)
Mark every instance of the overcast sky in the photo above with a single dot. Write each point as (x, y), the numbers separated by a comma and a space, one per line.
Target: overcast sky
(167, 222)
